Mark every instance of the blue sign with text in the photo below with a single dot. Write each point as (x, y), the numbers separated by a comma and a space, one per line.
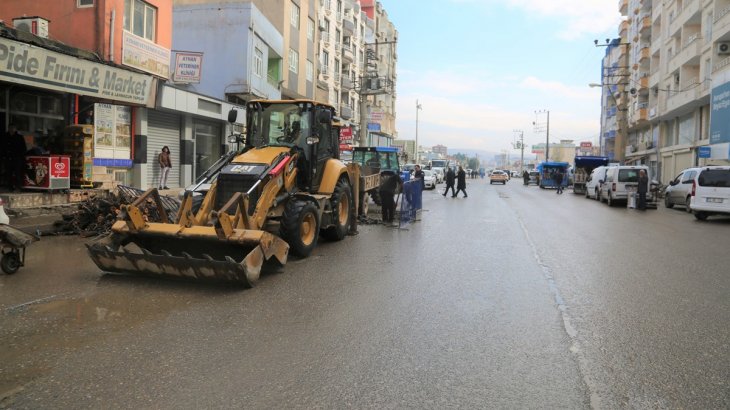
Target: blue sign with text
(373, 126)
(720, 114)
(704, 152)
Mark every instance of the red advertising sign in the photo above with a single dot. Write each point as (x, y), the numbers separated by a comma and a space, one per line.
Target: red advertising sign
(586, 145)
(60, 167)
(345, 133)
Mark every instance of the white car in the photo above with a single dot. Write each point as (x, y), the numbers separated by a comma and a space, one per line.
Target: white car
(711, 192)
(429, 179)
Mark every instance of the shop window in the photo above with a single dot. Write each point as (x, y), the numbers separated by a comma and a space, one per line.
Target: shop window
(140, 18)
(84, 3)
(24, 102)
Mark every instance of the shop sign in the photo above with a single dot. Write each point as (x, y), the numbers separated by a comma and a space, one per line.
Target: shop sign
(112, 131)
(188, 67)
(372, 126)
(704, 152)
(145, 55)
(376, 116)
(26, 64)
(720, 114)
(346, 135)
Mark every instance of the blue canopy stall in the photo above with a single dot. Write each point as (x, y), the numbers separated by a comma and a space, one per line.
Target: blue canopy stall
(547, 170)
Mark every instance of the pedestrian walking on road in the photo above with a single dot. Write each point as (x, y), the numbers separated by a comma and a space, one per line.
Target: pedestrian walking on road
(558, 178)
(165, 166)
(526, 177)
(642, 189)
(450, 180)
(460, 182)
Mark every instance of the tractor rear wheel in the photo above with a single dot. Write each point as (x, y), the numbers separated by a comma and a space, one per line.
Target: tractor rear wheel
(300, 227)
(341, 204)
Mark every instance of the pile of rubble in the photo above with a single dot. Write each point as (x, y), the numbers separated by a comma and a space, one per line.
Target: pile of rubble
(95, 216)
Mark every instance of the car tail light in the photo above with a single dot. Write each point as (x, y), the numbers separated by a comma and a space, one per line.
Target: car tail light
(694, 185)
(613, 187)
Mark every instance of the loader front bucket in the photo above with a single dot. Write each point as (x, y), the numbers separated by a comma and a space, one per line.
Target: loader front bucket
(195, 253)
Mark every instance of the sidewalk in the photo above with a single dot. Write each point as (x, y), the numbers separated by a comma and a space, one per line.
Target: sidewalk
(38, 221)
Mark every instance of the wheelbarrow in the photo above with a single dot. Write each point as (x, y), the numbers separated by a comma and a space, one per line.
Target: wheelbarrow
(12, 247)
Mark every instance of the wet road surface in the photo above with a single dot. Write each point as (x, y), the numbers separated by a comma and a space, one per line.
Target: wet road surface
(514, 297)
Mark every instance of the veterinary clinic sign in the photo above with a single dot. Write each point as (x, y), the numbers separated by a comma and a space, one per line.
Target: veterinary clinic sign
(26, 64)
(188, 67)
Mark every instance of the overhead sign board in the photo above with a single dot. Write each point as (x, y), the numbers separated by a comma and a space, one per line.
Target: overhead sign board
(145, 55)
(373, 127)
(22, 63)
(704, 152)
(188, 67)
(720, 114)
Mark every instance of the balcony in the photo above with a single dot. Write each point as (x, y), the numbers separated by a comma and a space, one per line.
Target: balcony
(645, 25)
(346, 83)
(347, 55)
(644, 53)
(623, 29)
(680, 99)
(623, 7)
(348, 27)
(345, 112)
(692, 50)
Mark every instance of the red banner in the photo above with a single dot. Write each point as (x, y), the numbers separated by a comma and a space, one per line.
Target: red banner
(345, 133)
(60, 167)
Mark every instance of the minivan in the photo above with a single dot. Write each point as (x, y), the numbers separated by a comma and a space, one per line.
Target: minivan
(620, 180)
(679, 190)
(593, 185)
(711, 192)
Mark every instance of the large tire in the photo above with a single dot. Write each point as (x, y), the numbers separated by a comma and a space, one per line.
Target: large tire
(701, 216)
(668, 202)
(10, 262)
(341, 203)
(300, 227)
(686, 205)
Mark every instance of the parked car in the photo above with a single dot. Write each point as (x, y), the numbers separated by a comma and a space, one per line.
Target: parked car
(429, 179)
(534, 178)
(711, 192)
(498, 176)
(439, 173)
(679, 190)
(593, 183)
(620, 180)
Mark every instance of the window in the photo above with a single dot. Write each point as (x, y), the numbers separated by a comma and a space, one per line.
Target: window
(293, 61)
(310, 29)
(140, 18)
(258, 62)
(295, 15)
(325, 62)
(310, 71)
(84, 3)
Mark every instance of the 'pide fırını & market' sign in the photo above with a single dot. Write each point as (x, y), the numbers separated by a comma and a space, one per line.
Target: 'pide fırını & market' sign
(30, 65)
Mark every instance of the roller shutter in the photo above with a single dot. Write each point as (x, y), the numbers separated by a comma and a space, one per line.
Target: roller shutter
(163, 129)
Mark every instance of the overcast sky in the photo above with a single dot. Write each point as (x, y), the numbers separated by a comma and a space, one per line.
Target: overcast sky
(481, 68)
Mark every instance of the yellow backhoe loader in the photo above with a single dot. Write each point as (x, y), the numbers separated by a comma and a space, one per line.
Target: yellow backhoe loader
(276, 194)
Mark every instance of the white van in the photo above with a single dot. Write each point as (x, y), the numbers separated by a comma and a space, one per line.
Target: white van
(711, 192)
(619, 180)
(593, 184)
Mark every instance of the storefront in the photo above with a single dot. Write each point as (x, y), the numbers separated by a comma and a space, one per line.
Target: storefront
(42, 92)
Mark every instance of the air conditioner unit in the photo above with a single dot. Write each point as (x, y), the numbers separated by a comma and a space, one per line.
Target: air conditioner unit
(35, 25)
(723, 48)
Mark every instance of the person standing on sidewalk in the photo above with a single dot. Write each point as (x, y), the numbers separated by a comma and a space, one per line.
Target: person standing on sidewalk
(460, 182)
(391, 183)
(165, 166)
(642, 189)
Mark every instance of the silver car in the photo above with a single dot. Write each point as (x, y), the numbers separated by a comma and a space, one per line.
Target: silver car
(679, 190)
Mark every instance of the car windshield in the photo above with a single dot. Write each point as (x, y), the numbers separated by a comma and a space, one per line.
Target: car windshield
(628, 175)
(715, 178)
(279, 124)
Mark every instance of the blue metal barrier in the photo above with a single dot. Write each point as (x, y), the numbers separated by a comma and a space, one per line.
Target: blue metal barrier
(411, 202)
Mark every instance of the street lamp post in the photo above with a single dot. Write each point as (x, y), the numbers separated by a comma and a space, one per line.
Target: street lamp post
(418, 108)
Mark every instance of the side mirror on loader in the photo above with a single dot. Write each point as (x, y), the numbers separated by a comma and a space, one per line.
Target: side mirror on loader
(232, 115)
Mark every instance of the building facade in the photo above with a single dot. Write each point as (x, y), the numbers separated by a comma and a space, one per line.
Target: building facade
(678, 72)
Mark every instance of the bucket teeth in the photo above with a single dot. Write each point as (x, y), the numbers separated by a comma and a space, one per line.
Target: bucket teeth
(186, 255)
(207, 257)
(166, 253)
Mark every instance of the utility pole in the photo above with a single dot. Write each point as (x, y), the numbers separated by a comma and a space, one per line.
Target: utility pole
(418, 108)
(364, 90)
(521, 145)
(547, 134)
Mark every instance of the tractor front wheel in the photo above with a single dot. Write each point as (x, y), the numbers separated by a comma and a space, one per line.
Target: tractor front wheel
(300, 227)
(341, 204)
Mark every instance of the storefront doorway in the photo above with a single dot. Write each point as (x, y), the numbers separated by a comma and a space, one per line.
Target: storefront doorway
(208, 146)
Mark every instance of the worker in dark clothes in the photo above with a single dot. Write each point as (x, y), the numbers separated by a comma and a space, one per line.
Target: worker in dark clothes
(390, 184)
(15, 165)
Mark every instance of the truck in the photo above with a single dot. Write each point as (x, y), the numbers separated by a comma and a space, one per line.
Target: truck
(584, 165)
(374, 163)
(277, 194)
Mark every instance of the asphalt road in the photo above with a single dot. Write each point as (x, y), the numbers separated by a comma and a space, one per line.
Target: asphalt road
(512, 298)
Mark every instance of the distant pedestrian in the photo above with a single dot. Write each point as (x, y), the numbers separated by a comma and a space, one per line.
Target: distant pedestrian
(450, 181)
(642, 189)
(526, 177)
(460, 182)
(391, 182)
(558, 178)
(419, 174)
(165, 166)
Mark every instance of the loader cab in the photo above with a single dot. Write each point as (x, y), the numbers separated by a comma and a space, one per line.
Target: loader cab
(303, 125)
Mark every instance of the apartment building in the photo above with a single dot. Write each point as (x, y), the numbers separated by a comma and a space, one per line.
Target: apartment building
(678, 82)
(614, 83)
